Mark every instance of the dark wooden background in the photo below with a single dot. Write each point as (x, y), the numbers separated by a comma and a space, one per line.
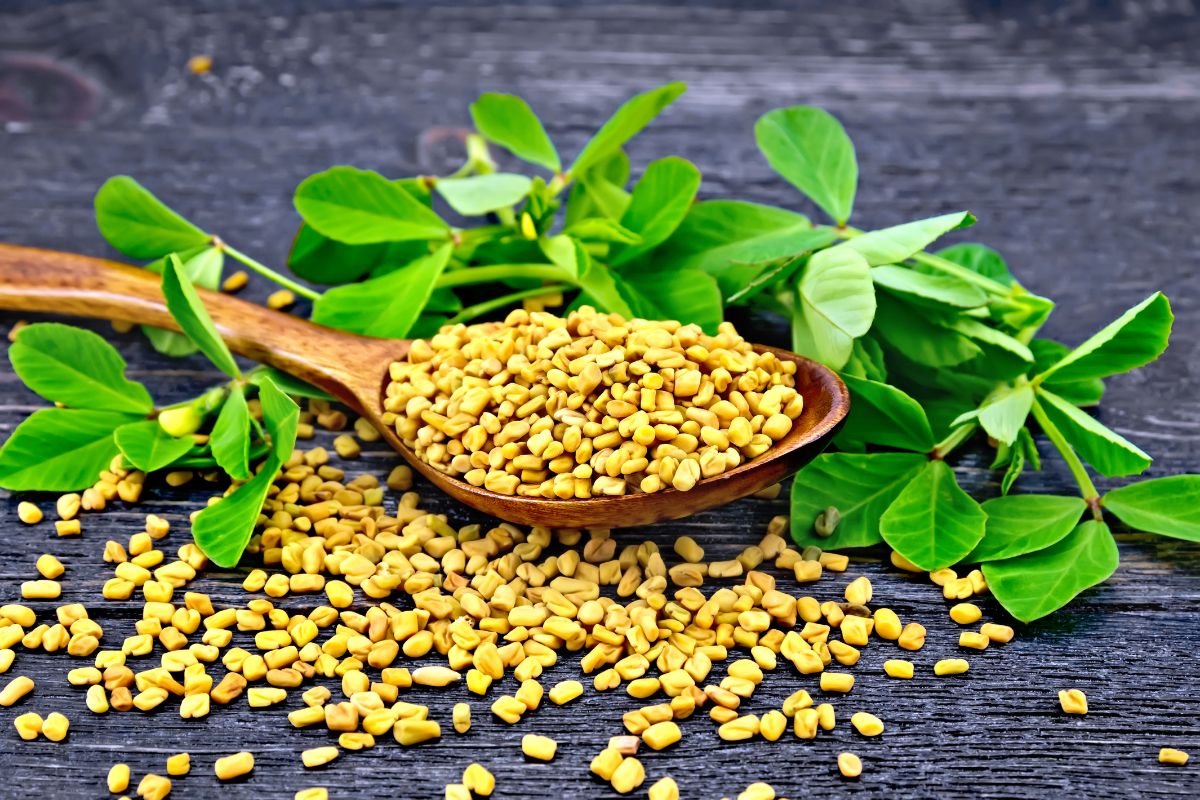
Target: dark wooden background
(1069, 128)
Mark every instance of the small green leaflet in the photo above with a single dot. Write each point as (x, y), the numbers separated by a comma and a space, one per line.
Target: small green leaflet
(659, 202)
(563, 252)
(281, 416)
(599, 191)
(60, 449)
(1082, 393)
(1106, 450)
(230, 439)
(1134, 339)
(1034, 585)
(508, 121)
(861, 487)
(1024, 450)
(1167, 506)
(1004, 415)
(634, 115)
(138, 224)
(223, 529)
(836, 303)
(357, 206)
(77, 368)
(477, 195)
(881, 414)
(986, 334)
(1025, 523)
(286, 383)
(322, 260)
(599, 286)
(979, 258)
(940, 289)
(148, 447)
(933, 523)
(911, 331)
(600, 229)
(187, 308)
(386, 306)
(901, 242)
(689, 296)
(203, 268)
(811, 150)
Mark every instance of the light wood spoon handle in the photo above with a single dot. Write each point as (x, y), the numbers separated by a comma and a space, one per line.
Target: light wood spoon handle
(347, 366)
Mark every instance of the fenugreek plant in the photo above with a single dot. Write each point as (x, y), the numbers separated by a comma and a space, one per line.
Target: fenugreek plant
(935, 346)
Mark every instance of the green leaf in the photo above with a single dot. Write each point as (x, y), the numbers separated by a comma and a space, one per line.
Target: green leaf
(980, 332)
(148, 447)
(933, 523)
(1135, 338)
(286, 383)
(140, 225)
(508, 121)
(77, 368)
(230, 439)
(811, 150)
(942, 289)
(60, 449)
(901, 242)
(599, 229)
(687, 295)
(860, 486)
(627, 122)
(322, 260)
(1025, 523)
(1004, 415)
(732, 240)
(1082, 393)
(563, 252)
(912, 332)
(836, 303)
(1106, 450)
(386, 306)
(867, 361)
(599, 286)
(357, 206)
(813, 337)
(223, 529)
(1167, 506)
(188, 310)
(659, 203)
(774, 273)
(1034, 585)
(203, 268)
(981, 259)
(881, 414)
(476, 195)
(599, 191)
(281, 416)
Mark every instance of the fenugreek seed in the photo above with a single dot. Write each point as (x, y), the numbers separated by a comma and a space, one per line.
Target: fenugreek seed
(1073, 701)
(661, 734)
(235, 282)
(1001, 634)
(912, 637)
(858, 591)
(739, 729)
(687, 549)
(414, 731)
(41, 590)
(965, 613)
(153, 787)
(435, 676)
(457, 791)
(951, 666)
(118, 778)
(836, 682)
(229, 767)
(67, 506)
(68, 527)
(318, 756)
(565, 691)
(898, 668)
(28, 725)
(629, 775)
(49, 566)
(1169, 755)
(826, 717)
(97, 699)
(312, 793)
(849, 765)
(29, 513)
(15, 689)
(973, 640)
(179, 764)
(540, 748)
(867, 724)
(664, 789)
(478, 780)
(281, 299)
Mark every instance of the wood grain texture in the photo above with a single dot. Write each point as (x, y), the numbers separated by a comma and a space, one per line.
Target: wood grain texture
(1068, 128)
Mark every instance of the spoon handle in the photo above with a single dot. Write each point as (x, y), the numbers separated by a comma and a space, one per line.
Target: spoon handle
(46, 281)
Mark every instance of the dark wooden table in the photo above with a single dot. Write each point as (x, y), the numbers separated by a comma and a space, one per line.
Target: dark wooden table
(1070, 129)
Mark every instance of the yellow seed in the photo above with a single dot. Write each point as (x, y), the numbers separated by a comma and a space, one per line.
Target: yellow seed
(965, 613)
(951, 666)
(826, 716)
(836, 682)
(55, 727)
(41, 590)
(457, 791)
(565, 691)
(68, 527)
(866, 724)
(973, 640)
(15, 689)
(629, 775)
(461, 716)
(118, 778)
(887, 624)
(28, 725)
(478, 780)
(179, 764)
(312, 793)
(849, 765)
(29, 513)
(1169, 755)
(1073, 701)
(97, 699)
(435, 676)
(235, 282)
(898, 668)
(858, 591)
(664, 789)
(236, 765)
(804, 724)
(1001, 634)
(900, 562)
(281, 299)
(772, 725)
(541, 748)
(912, 637)
(154, 787)
(509, 709)
(661, 734)
(687, 549)
(739, 729)
(414, 731)
(318, 756)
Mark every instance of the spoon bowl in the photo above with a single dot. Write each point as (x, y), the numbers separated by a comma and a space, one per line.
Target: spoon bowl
(354, 369)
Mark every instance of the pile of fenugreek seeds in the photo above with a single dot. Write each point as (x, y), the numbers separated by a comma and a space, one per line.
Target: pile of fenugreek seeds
(593, 404)
(354, 582)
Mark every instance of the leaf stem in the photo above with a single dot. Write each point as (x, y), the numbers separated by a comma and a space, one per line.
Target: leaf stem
(498, 272)
(1086, 488)
(956, 437)
(266, 271)
(940, 264)
(479, 309)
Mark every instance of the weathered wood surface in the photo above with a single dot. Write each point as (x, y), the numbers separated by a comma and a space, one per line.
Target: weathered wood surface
(1069, 129)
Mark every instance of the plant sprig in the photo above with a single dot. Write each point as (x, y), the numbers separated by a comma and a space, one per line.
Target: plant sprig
(935, 346)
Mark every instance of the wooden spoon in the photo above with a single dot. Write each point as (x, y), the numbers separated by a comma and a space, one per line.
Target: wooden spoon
(355, 370)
